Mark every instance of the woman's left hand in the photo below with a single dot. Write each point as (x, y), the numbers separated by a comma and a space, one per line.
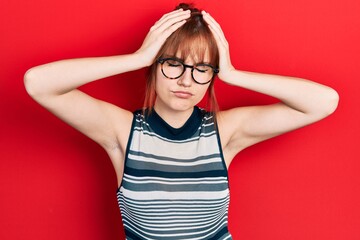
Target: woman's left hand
(225, 66)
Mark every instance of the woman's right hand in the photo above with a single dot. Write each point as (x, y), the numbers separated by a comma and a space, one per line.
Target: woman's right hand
(158, 34)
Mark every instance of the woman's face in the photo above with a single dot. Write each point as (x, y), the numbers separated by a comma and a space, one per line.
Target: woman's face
(180, 94)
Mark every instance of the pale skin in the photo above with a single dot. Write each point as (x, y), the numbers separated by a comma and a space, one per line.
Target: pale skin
(54, 86)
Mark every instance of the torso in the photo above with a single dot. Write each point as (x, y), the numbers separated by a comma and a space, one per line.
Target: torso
(175, 182)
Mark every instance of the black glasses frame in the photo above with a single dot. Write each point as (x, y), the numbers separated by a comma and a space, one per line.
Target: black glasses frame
(185, 66)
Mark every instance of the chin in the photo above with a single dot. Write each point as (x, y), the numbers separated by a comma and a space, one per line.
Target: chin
(182, 106)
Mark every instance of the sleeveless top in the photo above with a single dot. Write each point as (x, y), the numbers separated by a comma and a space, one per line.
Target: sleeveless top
(175, 182)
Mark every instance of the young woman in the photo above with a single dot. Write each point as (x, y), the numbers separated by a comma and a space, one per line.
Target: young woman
(171, 157)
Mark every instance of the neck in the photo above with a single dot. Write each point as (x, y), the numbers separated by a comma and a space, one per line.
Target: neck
(174, 118)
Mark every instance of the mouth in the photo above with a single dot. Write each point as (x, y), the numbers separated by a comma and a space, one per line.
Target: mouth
(182, 94)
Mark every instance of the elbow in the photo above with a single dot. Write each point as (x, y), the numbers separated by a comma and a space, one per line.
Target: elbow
(31, 83)
(333, 101)
(330, 103)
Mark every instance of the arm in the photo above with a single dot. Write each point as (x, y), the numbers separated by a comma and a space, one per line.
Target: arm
(302, 102)
(54, 86)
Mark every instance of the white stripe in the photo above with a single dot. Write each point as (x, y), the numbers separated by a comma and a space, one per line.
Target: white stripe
(160, 203)
(141, 129)
(176, 227)
(209, 117)
(164, 217)
(173, 220)
(158, 147)
(173, 163)
(177, 208)
(207, 124)
(173, 183)
(175, 223)
(160, 195)
(136, 206)
(177, 179)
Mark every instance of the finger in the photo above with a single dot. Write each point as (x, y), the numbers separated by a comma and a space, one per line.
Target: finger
(211, 21)
(171, 18)
(171, 13)
(176, 17)
(168, 14)
(168, 31)
(215, 28)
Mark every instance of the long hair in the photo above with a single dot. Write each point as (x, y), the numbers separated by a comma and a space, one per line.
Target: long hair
(194, 39)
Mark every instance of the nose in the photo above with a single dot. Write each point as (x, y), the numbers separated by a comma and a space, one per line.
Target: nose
(186, 79)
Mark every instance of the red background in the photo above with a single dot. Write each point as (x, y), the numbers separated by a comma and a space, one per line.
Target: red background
(57, 184)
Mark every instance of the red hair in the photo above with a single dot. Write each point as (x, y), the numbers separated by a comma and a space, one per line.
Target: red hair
(194, 39)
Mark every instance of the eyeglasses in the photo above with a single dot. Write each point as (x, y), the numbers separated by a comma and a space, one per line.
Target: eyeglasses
(173, 68)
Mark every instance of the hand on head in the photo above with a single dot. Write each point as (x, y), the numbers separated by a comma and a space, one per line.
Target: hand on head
(172, 21)
(159, 32)
(225, 65)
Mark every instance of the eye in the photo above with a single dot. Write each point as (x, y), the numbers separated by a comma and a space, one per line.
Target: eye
(173, 63)
(203, 68)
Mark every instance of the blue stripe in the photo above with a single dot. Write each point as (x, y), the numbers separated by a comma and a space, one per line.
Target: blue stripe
(153, 173)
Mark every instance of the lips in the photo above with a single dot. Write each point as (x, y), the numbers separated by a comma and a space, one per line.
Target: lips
(182, 94)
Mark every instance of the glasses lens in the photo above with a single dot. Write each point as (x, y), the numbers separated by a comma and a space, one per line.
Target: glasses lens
(172, 68)
(203, 73)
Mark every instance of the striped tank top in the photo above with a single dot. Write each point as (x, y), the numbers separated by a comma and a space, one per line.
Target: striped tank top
(175, 183)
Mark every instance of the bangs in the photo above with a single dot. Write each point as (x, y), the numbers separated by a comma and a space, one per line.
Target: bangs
(192, 42)
(196, 49)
